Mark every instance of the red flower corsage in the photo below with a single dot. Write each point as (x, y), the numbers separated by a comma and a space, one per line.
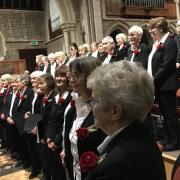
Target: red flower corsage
(72, 102)
(61, 101)
(160, 46)
(22, 98)
(45, 100)
(136, 52)
(18, 94)
(82, 133)
(88, 161)
(1, 94)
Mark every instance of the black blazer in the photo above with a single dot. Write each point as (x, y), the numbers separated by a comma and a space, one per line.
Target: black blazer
(19, 109)
(55, 128)
(132, 154)
(89, 144)
(46, 117)
(142, 57)
(122, 53)
(164, 66)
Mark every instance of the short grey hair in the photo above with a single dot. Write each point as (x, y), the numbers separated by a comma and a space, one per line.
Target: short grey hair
(24, 78)
(136, 29)
(109, 39)
(36, 74)
(126, 84)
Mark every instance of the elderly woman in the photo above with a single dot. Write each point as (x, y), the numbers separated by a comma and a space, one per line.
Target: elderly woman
(162, 66)
(138, 52)
(76, 144)
(119, 108)
(33, 147)
(122, 49)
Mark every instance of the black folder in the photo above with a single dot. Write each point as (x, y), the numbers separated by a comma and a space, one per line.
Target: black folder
(31, 122)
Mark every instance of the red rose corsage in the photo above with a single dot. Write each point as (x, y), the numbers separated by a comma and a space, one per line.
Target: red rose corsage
(1, 94)
(61, 101)
(160, 46)
(45, 100)
(88, 161)
(136, 52)
(82, 133)
(22, 98)
(18, 94)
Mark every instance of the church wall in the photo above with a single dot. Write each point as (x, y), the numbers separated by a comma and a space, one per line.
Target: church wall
(19, 28)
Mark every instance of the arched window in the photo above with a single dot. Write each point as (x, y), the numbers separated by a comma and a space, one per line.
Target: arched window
(54, 15)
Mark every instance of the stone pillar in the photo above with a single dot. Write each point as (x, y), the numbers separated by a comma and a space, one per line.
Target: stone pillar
(98, 20)
(69, 30)
(177, 8)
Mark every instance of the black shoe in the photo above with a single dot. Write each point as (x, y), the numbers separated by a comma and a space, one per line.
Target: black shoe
(170, 147)
(33, 175)
(19, 163)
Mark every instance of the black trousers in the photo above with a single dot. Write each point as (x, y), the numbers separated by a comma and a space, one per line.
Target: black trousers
(167, 105)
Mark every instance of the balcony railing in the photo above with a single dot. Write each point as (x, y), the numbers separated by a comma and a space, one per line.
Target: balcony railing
(145, 3)
(141, 8)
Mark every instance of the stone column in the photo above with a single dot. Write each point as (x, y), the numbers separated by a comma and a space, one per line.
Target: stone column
(98, 20)
(177, 8)
(69, 30)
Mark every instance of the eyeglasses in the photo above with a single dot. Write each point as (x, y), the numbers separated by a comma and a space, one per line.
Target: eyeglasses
(153, 31)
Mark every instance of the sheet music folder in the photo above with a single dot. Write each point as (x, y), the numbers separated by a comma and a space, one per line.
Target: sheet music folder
(31, 122)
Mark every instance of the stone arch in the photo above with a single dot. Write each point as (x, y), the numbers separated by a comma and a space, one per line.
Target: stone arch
(2, 45)
(67, 13)
(120, 25)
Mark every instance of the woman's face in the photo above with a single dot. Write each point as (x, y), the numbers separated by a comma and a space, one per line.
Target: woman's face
(43, 85)
(82, 51)
(133, 38)
(72, 51)
(77, 81)
(119, 41)
(21, 85)
(61, 82)
(34, 82)
(5, 83)
(155, 34)
(102, 117)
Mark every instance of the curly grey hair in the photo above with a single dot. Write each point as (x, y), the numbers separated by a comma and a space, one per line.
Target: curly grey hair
(126, 84)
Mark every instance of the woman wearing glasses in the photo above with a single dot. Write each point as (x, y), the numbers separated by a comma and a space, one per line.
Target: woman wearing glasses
(77, 142)
(162, 67)
(129, 152)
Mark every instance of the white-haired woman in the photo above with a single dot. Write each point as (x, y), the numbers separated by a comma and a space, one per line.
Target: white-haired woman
(122, 48)
(32, 146)
(119, 108)
(138, 52)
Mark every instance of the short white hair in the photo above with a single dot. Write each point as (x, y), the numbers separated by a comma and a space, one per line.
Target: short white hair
(136, 29)
(36, 74)
(60, 53)
(6, 77)
(109, 39)
(51, 55)
(122, 36)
